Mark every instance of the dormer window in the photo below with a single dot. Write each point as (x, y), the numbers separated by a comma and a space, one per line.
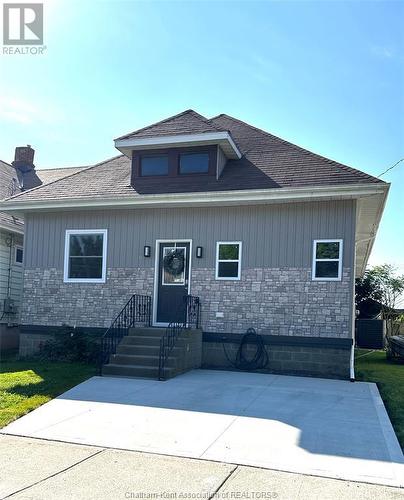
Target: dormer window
(154, 165)
(194, 163)
(148, 166)
(182, 153)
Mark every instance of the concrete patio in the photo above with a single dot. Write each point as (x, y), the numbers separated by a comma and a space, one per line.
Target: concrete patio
(321, 427)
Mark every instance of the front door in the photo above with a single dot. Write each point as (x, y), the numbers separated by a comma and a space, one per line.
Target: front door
(172, 281)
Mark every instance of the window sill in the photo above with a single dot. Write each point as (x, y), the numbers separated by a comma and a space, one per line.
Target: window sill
(84, 280)
(326, 279)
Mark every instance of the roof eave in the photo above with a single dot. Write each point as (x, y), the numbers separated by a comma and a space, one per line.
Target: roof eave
(223, 139)
(200, 199)
(369, 215)
(11, 228)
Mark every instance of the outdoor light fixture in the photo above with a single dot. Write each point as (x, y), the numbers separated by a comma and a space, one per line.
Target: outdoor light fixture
(147, 251)
(199, 251)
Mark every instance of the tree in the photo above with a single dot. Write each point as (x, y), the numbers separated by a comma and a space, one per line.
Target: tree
(368, 295)
(381, 285)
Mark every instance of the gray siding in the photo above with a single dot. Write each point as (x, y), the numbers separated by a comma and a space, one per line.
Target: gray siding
(7, 256)
(273, 236)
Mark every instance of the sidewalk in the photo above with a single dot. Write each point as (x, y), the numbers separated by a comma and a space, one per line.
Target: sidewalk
(42, 470)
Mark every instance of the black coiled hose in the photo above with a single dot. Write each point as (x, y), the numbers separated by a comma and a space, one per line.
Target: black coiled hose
(249, 363)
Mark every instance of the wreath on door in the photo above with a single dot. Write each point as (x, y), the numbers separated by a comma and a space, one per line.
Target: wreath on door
(174, 262)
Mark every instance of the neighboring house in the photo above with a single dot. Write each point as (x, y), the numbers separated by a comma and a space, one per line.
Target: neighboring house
(266, 234)
(16, 177)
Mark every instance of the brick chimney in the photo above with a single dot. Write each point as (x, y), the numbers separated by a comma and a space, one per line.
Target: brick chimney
(24, 158)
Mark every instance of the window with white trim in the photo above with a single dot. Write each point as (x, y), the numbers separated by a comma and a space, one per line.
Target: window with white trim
(85, 256)
(228, 260)
(19, 255)
(327, 260)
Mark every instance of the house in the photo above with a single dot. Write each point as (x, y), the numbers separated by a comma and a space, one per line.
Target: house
(255, 231)
(17, 177)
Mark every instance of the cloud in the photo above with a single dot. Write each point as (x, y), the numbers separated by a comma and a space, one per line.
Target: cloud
(18, 110)
(382, 51)
(257, 67)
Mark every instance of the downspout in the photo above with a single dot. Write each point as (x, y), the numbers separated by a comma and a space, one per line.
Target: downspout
(353, 318)
(352, 371)
(10, 239)
(9, 243)
(352, 361)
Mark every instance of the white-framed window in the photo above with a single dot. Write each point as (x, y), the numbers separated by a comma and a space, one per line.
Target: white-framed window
(228, 260)
(18, 255)
(85, 256)
(327, 260)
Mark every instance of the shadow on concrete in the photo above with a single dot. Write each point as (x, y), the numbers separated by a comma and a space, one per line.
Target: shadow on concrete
(333, 417)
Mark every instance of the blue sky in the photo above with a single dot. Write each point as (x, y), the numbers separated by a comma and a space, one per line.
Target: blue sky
(327, 75)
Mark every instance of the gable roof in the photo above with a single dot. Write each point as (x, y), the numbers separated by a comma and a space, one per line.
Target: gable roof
(267, 162)
(187, 122)
(47, 175)
(11, 181)
(7, 174)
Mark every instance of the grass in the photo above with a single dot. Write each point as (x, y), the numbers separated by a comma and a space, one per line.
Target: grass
(389, 377)
(27, 384)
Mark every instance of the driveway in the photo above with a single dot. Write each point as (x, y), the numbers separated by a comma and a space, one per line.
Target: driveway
(321, 427)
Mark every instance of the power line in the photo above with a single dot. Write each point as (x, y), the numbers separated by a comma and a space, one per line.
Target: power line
(390, 168)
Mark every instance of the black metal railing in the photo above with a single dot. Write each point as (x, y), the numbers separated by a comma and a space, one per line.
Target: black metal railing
(192, 311)
(191, 319)
(136, 311)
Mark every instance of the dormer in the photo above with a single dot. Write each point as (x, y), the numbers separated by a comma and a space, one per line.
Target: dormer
(182, 147)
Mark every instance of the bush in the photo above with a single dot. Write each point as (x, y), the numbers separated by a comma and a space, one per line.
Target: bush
(71, 344)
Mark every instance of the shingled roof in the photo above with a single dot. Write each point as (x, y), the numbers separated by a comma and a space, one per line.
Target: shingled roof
(187, 122)
(267, 162)
(10, 183)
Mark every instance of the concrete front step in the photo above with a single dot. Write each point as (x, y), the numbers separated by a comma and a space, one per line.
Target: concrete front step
(137, 354)
(135, 371)
(148, 341)
(152, 331)
(140, 340)
(149, 331)
(140, 360)
(145, 350)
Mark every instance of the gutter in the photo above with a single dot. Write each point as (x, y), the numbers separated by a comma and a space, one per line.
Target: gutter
(256, 196)
(376, 227)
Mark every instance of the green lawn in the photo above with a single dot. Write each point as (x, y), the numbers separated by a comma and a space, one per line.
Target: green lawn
(389, 377)
(27, 384)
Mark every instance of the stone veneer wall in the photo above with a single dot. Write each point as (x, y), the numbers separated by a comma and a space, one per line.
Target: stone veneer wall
(281, 301)
(51, 302)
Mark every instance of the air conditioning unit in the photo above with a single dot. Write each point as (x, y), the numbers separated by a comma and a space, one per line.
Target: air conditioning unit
(9, 306)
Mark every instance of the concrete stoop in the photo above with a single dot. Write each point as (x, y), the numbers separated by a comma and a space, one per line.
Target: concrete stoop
(137, 354)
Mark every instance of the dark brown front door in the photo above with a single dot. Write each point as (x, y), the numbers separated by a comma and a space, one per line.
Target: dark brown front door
(172, 283)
